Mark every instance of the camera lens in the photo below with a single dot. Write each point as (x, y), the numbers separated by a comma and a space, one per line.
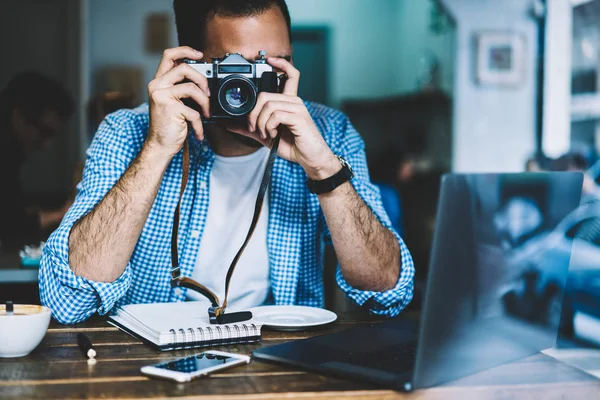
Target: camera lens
(237, 95)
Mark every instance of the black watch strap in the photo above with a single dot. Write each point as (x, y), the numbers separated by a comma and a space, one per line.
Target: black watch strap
(329, 184)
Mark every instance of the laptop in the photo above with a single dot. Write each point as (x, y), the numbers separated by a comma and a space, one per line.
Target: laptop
(494, 289)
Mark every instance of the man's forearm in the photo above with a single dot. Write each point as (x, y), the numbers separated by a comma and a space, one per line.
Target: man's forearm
(368, 253)
(102, 242)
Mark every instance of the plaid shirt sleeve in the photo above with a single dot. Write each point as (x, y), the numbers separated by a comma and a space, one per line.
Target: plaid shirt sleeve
(390, 303)
(70, 297)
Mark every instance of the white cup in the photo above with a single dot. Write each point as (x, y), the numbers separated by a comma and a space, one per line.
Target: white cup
(21, 332)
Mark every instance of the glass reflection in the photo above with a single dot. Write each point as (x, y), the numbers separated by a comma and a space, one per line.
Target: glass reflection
(496, 250)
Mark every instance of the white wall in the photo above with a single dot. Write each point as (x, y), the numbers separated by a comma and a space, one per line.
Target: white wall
(361, 34)
(363, 41)
(415, 39)
(116, 35)
(494, 128)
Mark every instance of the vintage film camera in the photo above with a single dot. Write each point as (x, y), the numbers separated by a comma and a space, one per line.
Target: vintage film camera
(235, 84)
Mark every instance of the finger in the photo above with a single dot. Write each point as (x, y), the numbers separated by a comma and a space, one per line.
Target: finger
(291, 84)
(191, 91)
(192, 116)
(170, 57)
(262, 99)
(180, 73)
(183, 91)
(279, 118)
(167, 99)
(270, 108)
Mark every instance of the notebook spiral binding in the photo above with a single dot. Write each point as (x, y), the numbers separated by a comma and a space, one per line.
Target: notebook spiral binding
(213, 335)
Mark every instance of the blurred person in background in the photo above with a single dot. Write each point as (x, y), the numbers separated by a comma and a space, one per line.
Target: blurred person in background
(532, 165)
(385, 168)
(581, 293)
(578, 163)
(34, 109)
(588, 229)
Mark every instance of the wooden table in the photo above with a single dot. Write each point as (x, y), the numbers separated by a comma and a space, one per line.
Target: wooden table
(57, 370)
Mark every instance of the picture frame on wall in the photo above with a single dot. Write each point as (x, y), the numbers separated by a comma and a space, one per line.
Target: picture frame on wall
(500, 59)
(158, 32)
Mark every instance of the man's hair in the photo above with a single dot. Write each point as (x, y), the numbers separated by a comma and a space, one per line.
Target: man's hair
(569, 161)
(34, 93)
(192, 16)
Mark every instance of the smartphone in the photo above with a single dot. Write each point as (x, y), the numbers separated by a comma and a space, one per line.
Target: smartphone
(188, 368)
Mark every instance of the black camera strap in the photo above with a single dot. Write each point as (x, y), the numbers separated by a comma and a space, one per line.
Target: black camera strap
(217, 312)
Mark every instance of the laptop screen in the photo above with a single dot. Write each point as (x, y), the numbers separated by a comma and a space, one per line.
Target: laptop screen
(499, 267)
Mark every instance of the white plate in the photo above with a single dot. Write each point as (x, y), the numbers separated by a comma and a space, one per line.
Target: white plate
(292, 318)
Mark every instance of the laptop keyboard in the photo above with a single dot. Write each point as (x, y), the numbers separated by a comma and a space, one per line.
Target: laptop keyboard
(397, 358)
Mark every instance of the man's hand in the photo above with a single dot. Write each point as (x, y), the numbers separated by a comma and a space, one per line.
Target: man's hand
(102, 242)
(368, 253)
(301, 141)
(168, 115)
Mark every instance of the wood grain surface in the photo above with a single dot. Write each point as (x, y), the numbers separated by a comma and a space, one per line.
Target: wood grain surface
(57, 370)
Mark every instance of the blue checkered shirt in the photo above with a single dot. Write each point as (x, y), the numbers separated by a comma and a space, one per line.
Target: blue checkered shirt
(295, 235)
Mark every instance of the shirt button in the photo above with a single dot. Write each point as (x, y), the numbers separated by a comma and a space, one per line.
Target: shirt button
(178, 291)
(205, 148)
(203, 185)
(195, 234)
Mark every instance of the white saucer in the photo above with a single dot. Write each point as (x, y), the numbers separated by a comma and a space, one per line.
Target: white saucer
(292, 318)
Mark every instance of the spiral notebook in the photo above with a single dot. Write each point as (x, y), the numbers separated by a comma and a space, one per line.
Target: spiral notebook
(172, 326)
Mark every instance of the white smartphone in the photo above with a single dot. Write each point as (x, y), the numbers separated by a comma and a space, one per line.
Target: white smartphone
(188, 368)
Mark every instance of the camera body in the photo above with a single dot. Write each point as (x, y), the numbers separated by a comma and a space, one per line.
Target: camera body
(235, 83)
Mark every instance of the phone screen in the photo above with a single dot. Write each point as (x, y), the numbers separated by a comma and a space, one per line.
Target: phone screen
(196, 363)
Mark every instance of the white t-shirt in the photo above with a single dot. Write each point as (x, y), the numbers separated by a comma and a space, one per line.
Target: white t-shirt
(234, 184)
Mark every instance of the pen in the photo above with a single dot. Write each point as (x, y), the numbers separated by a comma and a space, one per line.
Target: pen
(85, 345)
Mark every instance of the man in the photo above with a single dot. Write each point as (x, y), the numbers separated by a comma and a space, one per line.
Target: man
(113, 246)
(34, 109)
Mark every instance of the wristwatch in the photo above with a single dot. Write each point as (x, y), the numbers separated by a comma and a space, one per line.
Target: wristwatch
(329, 184)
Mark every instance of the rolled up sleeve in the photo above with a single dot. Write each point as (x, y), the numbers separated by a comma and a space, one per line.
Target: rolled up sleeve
(391, 302)
(72, 298)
